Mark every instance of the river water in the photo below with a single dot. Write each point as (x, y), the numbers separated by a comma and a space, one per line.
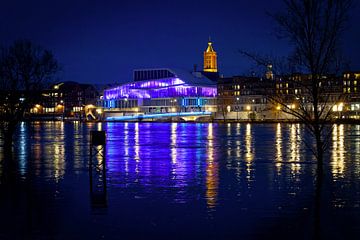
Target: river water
(181, 181)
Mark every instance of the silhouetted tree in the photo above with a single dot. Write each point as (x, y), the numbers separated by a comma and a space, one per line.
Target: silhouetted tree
(314, 28)
(25, 69)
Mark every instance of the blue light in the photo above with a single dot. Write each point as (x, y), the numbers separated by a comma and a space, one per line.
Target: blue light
(183, 102)
(160, 115)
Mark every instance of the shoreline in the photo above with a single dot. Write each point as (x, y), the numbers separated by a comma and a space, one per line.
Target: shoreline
(267, 121)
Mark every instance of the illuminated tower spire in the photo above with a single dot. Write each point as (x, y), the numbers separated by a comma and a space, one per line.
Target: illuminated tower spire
(210, 59)
(269, 73)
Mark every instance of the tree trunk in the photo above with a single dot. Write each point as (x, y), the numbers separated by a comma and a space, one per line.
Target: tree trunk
(319, 181)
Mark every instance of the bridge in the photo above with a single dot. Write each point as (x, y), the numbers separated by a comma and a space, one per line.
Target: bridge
(187, 116)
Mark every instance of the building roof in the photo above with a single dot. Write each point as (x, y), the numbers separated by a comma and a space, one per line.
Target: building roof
(188, 77)
(193, 78)
(210, 48)
(164, 83)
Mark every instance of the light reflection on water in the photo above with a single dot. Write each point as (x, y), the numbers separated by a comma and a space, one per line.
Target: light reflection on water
(236, 171)
(338, 153)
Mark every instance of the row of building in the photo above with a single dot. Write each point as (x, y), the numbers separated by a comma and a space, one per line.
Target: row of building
(169, 90)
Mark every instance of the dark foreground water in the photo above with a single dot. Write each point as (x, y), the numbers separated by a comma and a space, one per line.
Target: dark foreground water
(180, 181)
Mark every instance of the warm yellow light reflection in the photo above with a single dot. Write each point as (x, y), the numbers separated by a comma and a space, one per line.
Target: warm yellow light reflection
(248, 144)
(338, 152)
(278, 146)
(295, 148)
(212, 178)
(249, 156)
(59, 154)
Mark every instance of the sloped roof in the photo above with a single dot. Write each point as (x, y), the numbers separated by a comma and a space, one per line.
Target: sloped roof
(193, 78)
(210, 47)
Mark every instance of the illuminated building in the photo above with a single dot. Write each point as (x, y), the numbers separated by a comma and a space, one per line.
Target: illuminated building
(350, 81)
(210, 59)
(210, 69)
(269, 73)
(243, 98)
(161, 90)
(352, 94)
(67, 99)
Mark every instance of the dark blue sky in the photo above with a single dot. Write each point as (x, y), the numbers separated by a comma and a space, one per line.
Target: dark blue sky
(103, 41)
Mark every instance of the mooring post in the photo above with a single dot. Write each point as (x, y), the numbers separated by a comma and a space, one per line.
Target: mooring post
(97, 169)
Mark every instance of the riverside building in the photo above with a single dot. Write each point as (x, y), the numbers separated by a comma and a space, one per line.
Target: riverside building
(165, 93)
(162, 90)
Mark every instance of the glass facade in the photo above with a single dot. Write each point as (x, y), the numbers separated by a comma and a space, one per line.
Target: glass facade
(164, 88)
(161, 90)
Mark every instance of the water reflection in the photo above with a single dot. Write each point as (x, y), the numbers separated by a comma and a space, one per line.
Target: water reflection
(278, 146)
(295, 149)
(58, 151)
(23, 148)
(137, 145)
(338, 152)
(249, 155)
(211, 170)
(126, 147)
(173, 143)
(159, 168)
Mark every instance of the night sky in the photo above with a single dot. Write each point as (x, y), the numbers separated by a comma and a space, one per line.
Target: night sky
(103, 41)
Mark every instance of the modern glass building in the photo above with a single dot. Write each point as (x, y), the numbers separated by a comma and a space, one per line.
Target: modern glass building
(162, 90)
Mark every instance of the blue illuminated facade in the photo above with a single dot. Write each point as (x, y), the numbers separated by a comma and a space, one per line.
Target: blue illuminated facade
(162, 91)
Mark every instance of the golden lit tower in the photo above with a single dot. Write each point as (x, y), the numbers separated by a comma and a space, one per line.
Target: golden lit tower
(269, 73)
(210, 62)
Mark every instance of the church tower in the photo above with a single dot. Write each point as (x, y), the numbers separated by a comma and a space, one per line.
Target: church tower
(210, 59)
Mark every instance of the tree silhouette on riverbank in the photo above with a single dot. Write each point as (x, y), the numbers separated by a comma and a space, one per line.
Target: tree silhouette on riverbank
(25, 70)
(314, 28)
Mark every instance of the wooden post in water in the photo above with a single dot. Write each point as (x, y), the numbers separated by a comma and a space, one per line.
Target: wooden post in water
(97, 169)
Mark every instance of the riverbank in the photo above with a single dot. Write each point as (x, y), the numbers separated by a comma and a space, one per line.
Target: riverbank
(263, 121)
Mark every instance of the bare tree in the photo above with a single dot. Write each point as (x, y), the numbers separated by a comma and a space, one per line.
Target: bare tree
(25, 69)
(315, 28)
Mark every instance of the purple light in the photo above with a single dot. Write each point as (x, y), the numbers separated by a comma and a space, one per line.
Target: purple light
(164, 88)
